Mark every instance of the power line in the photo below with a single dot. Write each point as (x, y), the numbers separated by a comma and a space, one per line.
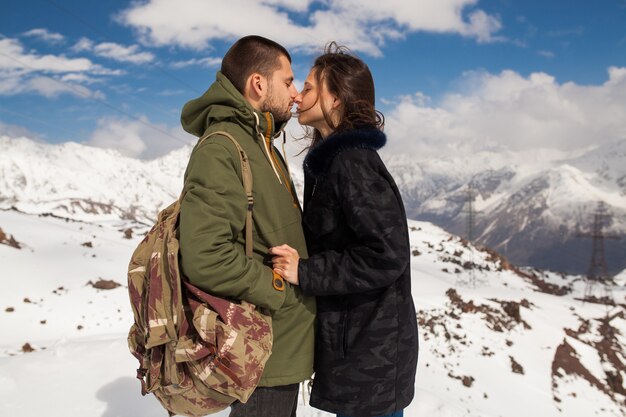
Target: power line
(471, 217)
(145, 103)
(598, 271)
(34, 119)
(106, 36)
(117, 91)
(100, 101)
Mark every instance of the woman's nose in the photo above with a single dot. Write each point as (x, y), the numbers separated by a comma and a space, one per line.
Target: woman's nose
(298, 98)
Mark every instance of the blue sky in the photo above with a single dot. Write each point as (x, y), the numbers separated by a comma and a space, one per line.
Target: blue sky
(448, 72)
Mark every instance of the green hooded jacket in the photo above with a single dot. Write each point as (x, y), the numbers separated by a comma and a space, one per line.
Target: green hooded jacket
(212, 241)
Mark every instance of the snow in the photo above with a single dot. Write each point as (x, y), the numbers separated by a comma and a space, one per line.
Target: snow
(520, 195)
(75, 377)
(83, 183)
(81, 366)
(71, 207)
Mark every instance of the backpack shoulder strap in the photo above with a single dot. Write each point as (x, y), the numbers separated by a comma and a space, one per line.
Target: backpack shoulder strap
(246, 175)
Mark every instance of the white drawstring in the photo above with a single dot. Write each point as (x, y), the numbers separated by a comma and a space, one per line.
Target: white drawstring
(285, 154)
(306, 393)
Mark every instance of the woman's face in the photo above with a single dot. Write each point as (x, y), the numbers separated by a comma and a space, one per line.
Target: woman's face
(311, 100)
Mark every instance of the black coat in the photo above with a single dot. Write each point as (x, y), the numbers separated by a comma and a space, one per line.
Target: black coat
(359, 269)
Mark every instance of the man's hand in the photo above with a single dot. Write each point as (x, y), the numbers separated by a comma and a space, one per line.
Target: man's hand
(285, 262)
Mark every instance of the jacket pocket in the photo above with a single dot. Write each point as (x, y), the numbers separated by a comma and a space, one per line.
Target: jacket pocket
(331, 330)
(342, 334)
(321, 217)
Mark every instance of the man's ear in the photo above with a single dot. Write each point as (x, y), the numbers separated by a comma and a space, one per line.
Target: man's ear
(256, 86)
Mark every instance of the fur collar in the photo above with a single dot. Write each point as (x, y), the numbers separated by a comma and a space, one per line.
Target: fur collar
(319, 158)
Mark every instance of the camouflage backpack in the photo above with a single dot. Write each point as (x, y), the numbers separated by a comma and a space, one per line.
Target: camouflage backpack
(197, 353)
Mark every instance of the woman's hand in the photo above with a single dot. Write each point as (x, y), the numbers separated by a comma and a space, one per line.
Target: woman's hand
(285, 262)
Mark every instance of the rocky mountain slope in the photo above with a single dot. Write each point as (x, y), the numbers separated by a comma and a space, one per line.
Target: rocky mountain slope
(494, 340)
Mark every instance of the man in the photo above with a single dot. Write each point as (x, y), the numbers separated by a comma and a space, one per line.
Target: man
(251, 99)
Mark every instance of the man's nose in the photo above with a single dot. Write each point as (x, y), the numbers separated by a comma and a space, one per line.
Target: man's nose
(293, 91)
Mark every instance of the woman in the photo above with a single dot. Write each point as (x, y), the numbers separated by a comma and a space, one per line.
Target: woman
(356, 231)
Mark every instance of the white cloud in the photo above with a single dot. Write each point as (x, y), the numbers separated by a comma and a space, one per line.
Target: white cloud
(363, 25)
(16, 131)
(45, 35)
(114, 51)
(123, 53)
(294, 5)
(482, 26)
(79, 78)
(28, 61)
(510, 111)
(439, 16)
(47, 86)
(98, 70)
(47, 75)
(203, 62)
(138, 138)
(83, 44)
(10, 81)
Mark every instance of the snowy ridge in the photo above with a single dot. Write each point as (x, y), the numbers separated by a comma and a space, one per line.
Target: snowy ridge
(84, 183)
(531, 206)
(494, 340)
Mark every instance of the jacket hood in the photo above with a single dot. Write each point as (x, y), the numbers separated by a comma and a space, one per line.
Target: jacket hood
(222, 102)
(319, 158)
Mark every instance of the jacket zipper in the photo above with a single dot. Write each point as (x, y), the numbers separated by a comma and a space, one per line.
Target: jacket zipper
(267, 152)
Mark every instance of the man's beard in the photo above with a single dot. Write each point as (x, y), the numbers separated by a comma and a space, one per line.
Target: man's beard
(280, 113)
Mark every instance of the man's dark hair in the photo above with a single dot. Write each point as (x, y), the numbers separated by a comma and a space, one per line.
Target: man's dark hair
(252, 54)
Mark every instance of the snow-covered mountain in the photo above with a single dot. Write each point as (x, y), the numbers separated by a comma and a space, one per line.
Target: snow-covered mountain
(534, 206)
(494, 340)
(531, 206)
(85, 183)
